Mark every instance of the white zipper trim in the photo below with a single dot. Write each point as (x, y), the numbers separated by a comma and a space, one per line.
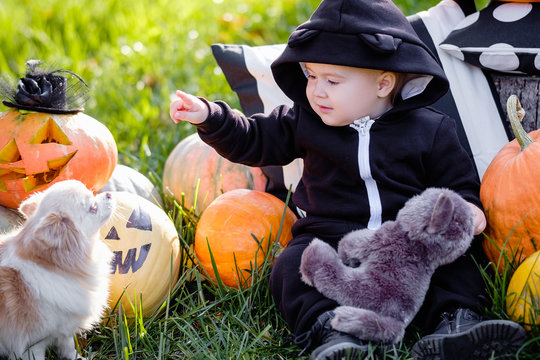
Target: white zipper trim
(363, 125)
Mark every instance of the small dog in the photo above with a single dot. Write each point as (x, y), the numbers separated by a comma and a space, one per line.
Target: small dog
(54, 271)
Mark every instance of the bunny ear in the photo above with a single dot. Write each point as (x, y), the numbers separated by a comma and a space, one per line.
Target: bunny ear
(442, 214)
(302, 35)
(382, 43)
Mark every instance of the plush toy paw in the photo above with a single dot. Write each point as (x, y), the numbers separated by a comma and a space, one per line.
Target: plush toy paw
(315, 259)
(368, 325)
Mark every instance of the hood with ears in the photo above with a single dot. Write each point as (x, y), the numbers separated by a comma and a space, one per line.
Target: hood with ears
(372, 34)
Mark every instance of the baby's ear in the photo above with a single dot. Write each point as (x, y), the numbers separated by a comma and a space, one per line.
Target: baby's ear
(386, 83)
(441, 215)
(30, 205)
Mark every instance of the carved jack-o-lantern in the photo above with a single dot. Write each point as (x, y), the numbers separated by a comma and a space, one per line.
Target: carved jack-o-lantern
(54, 141)
(38, 149)
(146, 250)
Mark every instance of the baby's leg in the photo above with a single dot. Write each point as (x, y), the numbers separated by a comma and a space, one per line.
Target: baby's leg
(299, 303)
(368, 325)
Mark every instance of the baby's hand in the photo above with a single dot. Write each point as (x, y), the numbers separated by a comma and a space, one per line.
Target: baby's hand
(189, 108)
(479, 219)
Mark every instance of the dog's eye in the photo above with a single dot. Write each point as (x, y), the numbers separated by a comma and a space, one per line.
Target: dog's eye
(93, 208)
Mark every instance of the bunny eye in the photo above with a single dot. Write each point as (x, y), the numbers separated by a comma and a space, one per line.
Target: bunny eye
(93, 208)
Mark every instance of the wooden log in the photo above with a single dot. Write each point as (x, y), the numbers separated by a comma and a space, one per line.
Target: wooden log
(527, 89)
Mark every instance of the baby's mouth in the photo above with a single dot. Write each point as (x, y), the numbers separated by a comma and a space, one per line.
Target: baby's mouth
(324, 109)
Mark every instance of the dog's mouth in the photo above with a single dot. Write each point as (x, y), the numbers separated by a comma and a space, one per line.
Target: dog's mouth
(48, 151)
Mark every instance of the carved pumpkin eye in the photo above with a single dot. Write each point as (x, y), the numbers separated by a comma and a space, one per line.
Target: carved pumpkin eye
(10, 154)
(50, 132)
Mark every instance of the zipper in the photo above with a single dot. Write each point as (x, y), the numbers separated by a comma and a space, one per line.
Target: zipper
(362, 126)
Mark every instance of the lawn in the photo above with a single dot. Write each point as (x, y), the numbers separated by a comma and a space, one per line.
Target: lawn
(133, 55)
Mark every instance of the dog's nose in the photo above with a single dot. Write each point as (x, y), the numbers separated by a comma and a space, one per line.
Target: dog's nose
(108, 195)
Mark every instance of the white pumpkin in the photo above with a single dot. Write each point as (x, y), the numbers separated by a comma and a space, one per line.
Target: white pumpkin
(125, 178)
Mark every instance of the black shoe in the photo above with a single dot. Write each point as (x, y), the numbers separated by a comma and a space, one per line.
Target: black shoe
(465, 336)
(329, 343)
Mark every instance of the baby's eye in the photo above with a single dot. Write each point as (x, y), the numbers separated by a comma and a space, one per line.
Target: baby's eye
(311, 77)
(332, 82)
(93, 208)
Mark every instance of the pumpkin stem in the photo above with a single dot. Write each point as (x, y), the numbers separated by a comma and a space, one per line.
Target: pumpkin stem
(516, 114)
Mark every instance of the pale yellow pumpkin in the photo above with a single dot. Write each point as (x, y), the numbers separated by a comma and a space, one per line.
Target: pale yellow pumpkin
(523, 293)
(146, 251)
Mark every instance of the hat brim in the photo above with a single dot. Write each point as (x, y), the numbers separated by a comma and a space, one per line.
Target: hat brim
(41, 109)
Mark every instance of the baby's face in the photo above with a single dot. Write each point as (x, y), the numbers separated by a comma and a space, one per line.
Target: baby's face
(342, 94)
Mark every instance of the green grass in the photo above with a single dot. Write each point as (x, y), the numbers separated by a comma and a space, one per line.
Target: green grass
(134, 54)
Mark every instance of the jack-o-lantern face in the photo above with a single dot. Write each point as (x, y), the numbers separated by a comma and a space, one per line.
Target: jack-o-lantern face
(50, 150)
(124, 263)
(37, 149)
(146, 251)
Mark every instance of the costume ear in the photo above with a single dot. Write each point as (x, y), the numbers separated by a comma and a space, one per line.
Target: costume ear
(382, 43)
(302, 35)
(30, 205)
(441, 215)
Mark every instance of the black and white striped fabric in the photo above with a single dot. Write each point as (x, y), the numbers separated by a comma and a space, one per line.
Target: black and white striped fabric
(470, 101)
(503, 37)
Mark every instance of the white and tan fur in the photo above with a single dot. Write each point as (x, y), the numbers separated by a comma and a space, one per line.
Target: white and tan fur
(54, 271)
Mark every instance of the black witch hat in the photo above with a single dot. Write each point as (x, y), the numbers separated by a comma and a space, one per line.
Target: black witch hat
(56, 91)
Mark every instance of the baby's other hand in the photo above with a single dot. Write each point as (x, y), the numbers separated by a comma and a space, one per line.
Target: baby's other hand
(189, 108)
(479, 219)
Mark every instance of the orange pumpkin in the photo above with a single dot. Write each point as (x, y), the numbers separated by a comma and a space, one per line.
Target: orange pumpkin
(38, 149)
(510, 196)
(227, 230)
(196, 174)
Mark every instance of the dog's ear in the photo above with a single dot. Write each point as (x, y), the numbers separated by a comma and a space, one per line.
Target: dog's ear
(58, 230)
(442, 214)
(54, 242)
(30, 205)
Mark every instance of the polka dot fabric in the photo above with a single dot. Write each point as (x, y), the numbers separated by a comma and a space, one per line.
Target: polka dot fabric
(504, 37)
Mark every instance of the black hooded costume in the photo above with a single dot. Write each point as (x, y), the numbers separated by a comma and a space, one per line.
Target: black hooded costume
(360, 175)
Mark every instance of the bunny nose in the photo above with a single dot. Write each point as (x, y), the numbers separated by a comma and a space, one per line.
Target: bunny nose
(108, 195)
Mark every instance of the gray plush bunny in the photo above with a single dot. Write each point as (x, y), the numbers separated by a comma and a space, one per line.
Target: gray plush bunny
(380, 277)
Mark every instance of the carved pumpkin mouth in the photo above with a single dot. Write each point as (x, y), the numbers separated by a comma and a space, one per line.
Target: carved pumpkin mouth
(46, 138)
